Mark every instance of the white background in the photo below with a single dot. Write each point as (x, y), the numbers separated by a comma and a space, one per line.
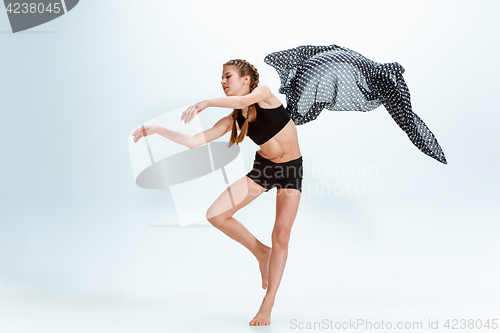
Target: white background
(82, 248)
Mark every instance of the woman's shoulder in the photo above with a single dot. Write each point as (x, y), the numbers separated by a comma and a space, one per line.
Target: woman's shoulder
(264, 88)
(271, 102)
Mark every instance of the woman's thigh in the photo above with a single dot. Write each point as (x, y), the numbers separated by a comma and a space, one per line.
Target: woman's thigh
(236, 196)
(287, 205)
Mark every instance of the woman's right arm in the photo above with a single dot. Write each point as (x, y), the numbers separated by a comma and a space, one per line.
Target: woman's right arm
(220, 128)
(261, 93)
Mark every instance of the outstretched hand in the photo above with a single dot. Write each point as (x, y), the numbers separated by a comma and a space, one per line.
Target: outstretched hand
(144, 131)
(192, 111)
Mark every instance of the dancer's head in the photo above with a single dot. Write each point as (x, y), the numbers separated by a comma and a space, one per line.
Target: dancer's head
(239, 78)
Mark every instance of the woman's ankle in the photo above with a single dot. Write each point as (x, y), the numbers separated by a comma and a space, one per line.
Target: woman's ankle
(269, 300)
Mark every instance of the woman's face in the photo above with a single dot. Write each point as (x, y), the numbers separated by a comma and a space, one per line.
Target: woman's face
(232, 83)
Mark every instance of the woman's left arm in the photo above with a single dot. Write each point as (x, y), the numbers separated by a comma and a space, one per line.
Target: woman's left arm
(232, 102)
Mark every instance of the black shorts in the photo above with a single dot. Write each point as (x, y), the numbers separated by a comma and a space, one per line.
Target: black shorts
(269, 174)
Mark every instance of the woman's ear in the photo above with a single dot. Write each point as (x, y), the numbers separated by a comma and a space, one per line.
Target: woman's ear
(246, 79)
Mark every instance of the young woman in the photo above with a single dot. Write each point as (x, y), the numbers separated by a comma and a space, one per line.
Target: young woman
(313, 78)
(278, 163)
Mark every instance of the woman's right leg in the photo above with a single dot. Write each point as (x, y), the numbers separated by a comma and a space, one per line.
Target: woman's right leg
(220, 214)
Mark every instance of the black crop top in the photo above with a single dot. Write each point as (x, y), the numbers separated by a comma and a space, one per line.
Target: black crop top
(267, 123)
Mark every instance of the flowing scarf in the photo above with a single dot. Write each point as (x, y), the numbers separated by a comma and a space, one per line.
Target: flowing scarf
(335, 78)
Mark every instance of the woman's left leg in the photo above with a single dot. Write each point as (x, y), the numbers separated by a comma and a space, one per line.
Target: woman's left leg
(287, 204)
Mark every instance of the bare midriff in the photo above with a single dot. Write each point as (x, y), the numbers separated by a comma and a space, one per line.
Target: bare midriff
(282, 147)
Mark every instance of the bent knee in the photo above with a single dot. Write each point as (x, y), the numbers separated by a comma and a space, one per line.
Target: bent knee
(214, 219)
(280, 238)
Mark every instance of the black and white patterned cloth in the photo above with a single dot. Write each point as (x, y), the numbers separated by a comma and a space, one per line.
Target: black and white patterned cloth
(335, 78)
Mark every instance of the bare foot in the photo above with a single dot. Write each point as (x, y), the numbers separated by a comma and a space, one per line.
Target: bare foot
(263, 317)
(264, 266)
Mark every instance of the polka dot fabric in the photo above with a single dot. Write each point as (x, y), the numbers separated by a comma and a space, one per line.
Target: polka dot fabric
(335, 78)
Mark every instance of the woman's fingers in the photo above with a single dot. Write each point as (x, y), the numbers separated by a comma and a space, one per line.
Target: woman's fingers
(137, 135)
(194, 113)
(192, 110)
(140, 132)
(186, 114)
(189, 114)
